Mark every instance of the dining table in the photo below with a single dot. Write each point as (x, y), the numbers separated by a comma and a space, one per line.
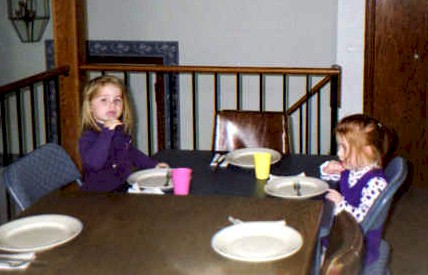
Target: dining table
(234, 180)
(168, 234)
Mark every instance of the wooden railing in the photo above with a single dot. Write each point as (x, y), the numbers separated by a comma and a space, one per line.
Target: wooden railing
(179, 103)
(30, 113)
(184, 94)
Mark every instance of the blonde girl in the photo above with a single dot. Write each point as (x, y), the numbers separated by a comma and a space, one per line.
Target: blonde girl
(106, 150)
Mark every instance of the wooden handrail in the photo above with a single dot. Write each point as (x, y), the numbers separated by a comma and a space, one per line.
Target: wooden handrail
(311, 93)
(209, 69)
(25, 82)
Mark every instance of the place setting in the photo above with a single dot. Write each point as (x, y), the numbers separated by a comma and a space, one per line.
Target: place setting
(256, 241)
(243, 158)
(150, 181)
(261, 159)
(291, 187)
(295, 187)
(160, 181)
(22, 238)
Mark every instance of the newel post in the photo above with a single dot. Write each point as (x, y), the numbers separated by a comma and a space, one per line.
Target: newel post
(70, 35)
(334, 105)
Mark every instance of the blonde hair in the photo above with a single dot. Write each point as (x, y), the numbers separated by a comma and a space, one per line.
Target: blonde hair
(362, 132)
(91, 91)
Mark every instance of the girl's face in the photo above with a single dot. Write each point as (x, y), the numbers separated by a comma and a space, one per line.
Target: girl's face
(342, 148)
(345, 155)
(107, 105)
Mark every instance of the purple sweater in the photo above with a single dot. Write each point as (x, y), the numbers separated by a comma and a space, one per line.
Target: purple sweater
(108, 158)
(353, 196)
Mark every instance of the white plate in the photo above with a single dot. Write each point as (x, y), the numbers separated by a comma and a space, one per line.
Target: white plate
(245, 157)
(257, 241)
(151, 178)
(37, 233)
(283, 187)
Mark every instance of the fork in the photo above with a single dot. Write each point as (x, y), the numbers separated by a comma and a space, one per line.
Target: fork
(217, 160)
(168, 178)
(296, 187)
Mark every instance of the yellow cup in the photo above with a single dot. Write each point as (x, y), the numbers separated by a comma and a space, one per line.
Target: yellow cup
(262, 165)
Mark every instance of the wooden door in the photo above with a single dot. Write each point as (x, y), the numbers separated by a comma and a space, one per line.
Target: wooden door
(396, 75)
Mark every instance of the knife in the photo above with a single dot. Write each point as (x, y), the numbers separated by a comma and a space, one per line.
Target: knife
(214, 163)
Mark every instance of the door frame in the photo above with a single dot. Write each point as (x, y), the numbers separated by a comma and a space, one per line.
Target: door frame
(369, 56)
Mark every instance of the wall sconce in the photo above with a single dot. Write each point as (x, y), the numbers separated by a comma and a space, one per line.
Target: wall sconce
(29, 18)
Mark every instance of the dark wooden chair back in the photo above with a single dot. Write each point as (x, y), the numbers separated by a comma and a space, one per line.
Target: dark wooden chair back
(250, 129)
(345, 249)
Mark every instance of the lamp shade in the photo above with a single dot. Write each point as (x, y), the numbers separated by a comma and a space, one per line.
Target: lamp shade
(29, 18)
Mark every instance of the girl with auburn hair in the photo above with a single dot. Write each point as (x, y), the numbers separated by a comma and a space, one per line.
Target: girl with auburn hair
(364, 144)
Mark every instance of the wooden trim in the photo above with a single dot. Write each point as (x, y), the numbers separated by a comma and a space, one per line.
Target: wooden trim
(69, 32)
(25, 82)
(209, 69)
(369, 56)
(308, 95)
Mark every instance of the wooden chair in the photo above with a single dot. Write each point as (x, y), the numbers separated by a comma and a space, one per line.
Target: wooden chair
(344, 253)
(250, 129)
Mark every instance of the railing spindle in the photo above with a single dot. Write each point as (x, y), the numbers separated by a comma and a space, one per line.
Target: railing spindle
(46, 102)
(285, 94)
(318, 123)
(57, 109)
(33, 116)
(194, 110)
(308, 124)
(126, 79)
(334, 97)
(301, 130)
(5, 159)
(238, 92)
(172, 106)
(216, 93)
(261, 93)
(19, 118)
(149, 113)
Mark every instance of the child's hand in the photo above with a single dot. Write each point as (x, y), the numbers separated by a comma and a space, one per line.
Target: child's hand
(112, 124)
(333, 167)
(334, 196)
(162, 165)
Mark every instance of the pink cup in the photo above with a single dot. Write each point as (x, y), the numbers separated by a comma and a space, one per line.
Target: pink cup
(181, 180)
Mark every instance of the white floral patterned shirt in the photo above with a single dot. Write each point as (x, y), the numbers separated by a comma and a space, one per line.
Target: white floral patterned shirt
(368, 194)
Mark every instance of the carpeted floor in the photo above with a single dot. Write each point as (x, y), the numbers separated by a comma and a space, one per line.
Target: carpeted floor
(407, 232)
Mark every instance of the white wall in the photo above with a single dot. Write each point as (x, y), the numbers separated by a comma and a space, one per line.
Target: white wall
(258, 32)
(350, 54)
